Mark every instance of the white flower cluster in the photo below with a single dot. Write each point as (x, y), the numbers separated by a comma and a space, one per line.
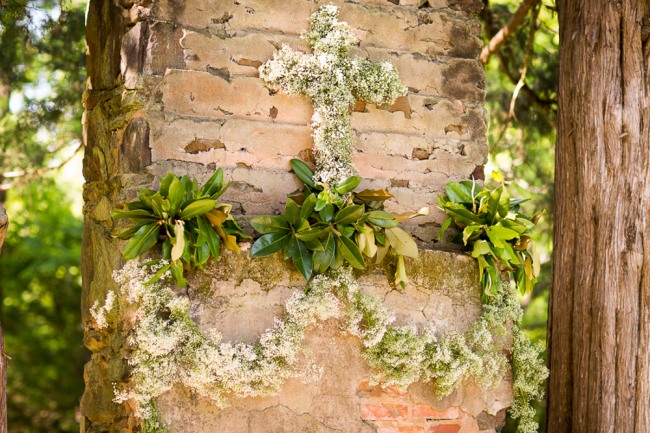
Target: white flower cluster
(333, 81)
(168, 348)
(100, 314)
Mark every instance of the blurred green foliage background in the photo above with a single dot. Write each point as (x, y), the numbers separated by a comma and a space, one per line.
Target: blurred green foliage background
(42, 77)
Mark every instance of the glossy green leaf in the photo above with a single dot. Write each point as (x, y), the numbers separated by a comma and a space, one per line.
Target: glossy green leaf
(345, 230)
(213, 185)
(269, 244)
(301, 257)
(444, 227)
(348, 184)
(314, 245)
(323, 259)
(135, 215)
(308, 206)
(469, 231)
(350, 252)
(312, 233)
(165, 182)
(459, 193)
(212, 239)
(176, 195)
(481, 248)
(270, 224)
(145, 238)
(326, 213)
(178, 274)
(349, 214)
(497, 204)
(498, 235)
(303, 172)
(158, 274)
(128, 233)
(198, 207)
(292, 212)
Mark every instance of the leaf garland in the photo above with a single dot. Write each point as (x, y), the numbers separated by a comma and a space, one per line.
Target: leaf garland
(495, 233)
(187, 221)
(326, 226)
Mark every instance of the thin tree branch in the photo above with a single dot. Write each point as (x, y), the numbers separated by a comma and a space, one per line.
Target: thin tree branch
(507, 30)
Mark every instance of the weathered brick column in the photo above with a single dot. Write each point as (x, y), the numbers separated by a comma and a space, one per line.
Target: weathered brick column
(173, 86)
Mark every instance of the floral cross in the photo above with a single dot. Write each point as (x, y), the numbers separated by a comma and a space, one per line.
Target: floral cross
(333, 80)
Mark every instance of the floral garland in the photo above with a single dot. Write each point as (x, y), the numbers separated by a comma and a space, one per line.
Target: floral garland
(168, 348)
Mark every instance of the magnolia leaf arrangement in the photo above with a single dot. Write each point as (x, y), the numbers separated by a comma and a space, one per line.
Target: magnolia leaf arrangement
(325, 226)
(494, 231)
(187, 221)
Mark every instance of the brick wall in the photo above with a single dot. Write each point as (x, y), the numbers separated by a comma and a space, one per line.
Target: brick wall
(206, 107)
(173, 86)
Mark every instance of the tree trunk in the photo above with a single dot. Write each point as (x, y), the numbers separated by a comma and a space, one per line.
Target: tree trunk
(599, 327)
(4, 222)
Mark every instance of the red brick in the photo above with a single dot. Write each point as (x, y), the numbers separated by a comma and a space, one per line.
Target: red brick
(384, 412)
(411, 429)
(366, 390)
(447, 428)
(426, 411)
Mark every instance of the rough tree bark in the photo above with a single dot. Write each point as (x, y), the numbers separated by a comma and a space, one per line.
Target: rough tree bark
(4, 222)
(599, 326)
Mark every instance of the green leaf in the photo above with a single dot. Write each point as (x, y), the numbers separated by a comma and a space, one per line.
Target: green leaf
(350, 252)
(135, 215)
(213, 185)
(165, 183)
(459, 193)
(481, 248)
(382, 219)
(345, 230)
(324, 259)
(402, 242)
(301, 257)
(303, 172)
(213, 240)
(128, 233)
(469, 231)
(312, 233)
(270, 224)
(198, 207)
(176, 195)
(348, 184)
(462, 215)
(269, 244)
(177, 273)
(498, 235)
(444, 227)
(381, 237)
(349, 214)
(314, 245)
(497, 205)
(292, 212)
(142, 241)
(201, 255)
(158, 274)
(308, 207)
(326, 213)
